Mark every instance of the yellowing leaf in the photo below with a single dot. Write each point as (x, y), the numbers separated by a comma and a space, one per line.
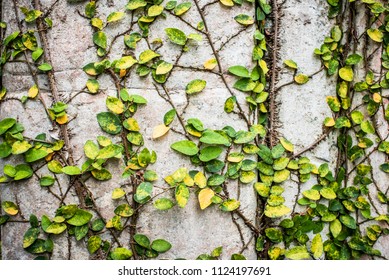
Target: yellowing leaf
(10, 208)
(205, 198)
(62, 119)
(155, 10)
(297, 253)
(276, 211)
(301, 79)
(244, 19)
(92, 85)
(317, 246)
(160, 130)
(147, 55)
(200, 180)
(346, 73)
(115, 105)
(210, 64)
(290, 63)
(125, 62)
(115, 16)
(227, 3)
(376, 35)
(182, 195)
(33, 91)
(287, 145)
(195, 86)
(118, 193)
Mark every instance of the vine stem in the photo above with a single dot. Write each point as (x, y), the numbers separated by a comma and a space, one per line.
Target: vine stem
(216, 54)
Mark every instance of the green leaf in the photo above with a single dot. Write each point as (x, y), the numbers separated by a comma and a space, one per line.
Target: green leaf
(346, 73)
(143, 192)
(182, 195)
(230, 104)
(297, 253)
(209, 153)
(124, 210)
(142, 240)
(353, 59)
(163, 68)
(10, 208)
(5, 150)
(245, 84)
(32, 15)
(71, 170)
(20, 147)
(46, 181)
(38, 247)
(357, 117)
(30, 236)
(243, 137)
(91, 150)
(109, 151)
(121, 253)
(45, 67)
(348, 221)
(125, 62)
(328, 193)
(375, 34)
(311, 194)
(100, 39)
(176, 36)
(163, 204)
(317, 246)
(229, 205)
(333, 103)
(80, 218)
(169, 117)
(22, 171)
(115, 16)
(239, 71)
(160, 245)
(367, 127)
(185, 147)
(301, 79)
(135, 4)
(81, 232)
(147, 55)
(276, 211)
(94, 243)
(335, 228)
(109, 122)
(93, 85)
(101, 174)
(135, 138)
(131, 124)
(182, 8)
(275, 235)
(290, 64)
(6, 124)
(244, 19)
(98, 225)
(195, 86)
(56, 228)
(213, 138)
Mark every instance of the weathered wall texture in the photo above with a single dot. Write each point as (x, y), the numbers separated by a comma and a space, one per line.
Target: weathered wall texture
(191, 231)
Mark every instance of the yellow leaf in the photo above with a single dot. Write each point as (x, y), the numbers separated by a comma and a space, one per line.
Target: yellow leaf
(160, 130)
(188, 181)
(62, 120)
(210, 64)
(200, 180)
(122, 73)
(317, 246)
(205, 198)
(33, 91)
(49, 157)
(377, 97)
(227, 3)
(263, 66)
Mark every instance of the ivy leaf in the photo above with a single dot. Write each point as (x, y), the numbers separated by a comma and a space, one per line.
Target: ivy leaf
(125, 62)
(205, 197)
(31, 15)
(56, 228)
(135, 4)
(46, 181)
(155, 10)
(245, 84)
(301, 79)
(317, 246)
(209, 153)
(276, 211)
(239, 71)
(163, 204)
(160, 130)
(94, 243)
(182, 195)
(109, 122)
(100, 39)
(346, 73)
(244, 19)
(147, 55)
(30, 236)
(229, 205)
(210, 64)
(290, 63)
(80, 218)
(375, 34)
(182, 8)
(185, 147)
(115, 16)
(142, 240)
(118, 193)
(335, 228)
(297, 253)
(92, 85)
(45, 67)
(124, 210)
(143, 192)
(169, 117)
(163, 68)
(10, 208)
(71, 170)
(161, 245)
(213, 138)
(176, 36)
(195, 86)
(348, 221)
(121, 253)
(353, 59)
(287, 144)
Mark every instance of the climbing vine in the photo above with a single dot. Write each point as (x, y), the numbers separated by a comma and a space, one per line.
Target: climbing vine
(342, 214)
